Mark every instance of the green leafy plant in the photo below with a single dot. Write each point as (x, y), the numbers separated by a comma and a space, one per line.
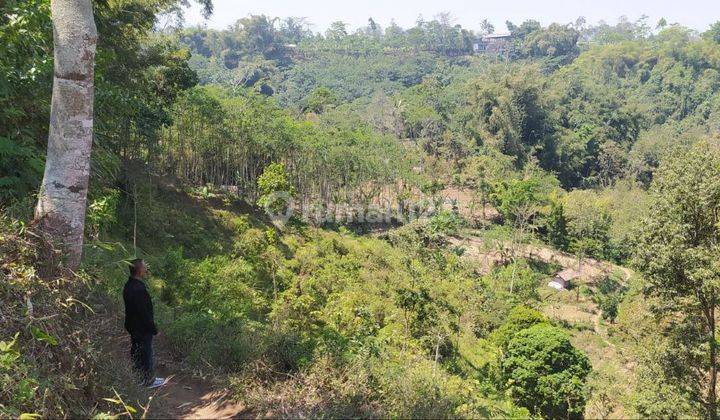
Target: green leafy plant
(275, 189)
(545, 373)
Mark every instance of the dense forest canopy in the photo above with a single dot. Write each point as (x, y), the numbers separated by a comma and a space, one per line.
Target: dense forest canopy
(433, 180)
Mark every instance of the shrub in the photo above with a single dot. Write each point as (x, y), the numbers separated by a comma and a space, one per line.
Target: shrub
(324, 389)
(517, 281)
(102, 213)
(50, 364)
(445, 223)
(610, 293)
(545, 373)
(519, 319)
(275, 189)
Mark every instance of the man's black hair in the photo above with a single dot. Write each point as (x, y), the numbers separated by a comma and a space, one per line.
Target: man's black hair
(135, 266)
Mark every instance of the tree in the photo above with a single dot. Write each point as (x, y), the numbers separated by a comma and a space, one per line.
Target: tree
(275, 189)
(610, 292)
(483, 171)
(320, 100)
(60, 210)
(295, 29)
(556, 232)
(515, 115)
(373, 29)
(520, 318)
(588, 224)
(25, 79)
(677, 251)
(713, 33)
(554, 41)
(545, 373)
(521, 200)
(486, 27)
(336, 31)
(612, 162)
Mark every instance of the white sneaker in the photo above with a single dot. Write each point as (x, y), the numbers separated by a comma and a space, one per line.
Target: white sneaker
(158, 382)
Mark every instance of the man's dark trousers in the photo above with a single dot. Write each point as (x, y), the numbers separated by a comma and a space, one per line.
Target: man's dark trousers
(140, 324)
(141, 353)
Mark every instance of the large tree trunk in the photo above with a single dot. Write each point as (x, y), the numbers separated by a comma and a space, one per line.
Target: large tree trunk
(60, 210)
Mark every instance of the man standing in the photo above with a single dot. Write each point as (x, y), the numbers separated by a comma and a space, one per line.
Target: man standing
(140, 323)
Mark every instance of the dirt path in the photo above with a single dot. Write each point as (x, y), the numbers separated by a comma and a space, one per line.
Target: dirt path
(491, 254)
(590, 271)
(186, 396)
(189, 396)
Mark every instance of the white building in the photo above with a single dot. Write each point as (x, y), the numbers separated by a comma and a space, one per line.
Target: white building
(562, 280)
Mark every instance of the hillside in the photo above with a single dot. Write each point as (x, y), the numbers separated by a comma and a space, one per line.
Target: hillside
(228, 335)
(424, 222)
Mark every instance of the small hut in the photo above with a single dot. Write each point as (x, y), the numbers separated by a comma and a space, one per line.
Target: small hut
(494, 44)
(563, 278)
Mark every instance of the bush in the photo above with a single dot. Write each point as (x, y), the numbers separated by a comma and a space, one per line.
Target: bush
(217, 312)
(324, 389)
(545, 373)
(519, 319)
(610, 293)
(445, 223)
(390, 386)
(517, 282)
(275, 189)
(50, 364)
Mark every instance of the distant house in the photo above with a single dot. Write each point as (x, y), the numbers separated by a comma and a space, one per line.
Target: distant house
(493, 44)
(562, 279)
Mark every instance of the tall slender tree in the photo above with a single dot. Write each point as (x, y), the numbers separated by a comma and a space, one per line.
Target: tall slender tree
(60, 210)
(677, 251)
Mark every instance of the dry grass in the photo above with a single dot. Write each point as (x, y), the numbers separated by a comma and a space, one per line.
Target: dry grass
(58, 370)
(323, 390)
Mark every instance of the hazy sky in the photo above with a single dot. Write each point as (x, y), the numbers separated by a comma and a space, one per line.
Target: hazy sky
(697, 14)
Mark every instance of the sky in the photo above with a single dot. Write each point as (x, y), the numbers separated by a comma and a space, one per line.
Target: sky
(696, 14)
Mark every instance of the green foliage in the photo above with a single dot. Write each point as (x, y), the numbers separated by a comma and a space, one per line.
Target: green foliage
(445, 223)
(102, 213)
(320, 99)
(19, 390)
(515, 115)
(138, 78)
(556, 41)
(556, 227)
(318, 305)
(41, 335)
(713, 33)
(25, 83)
(518, 319)
(521, 201)
(656, 396)
(331, 158)
(588, 224)
(271, 183)
(517, 282)
(677, 248)
(485, 172)
(545, 373)
(8, 354)
(610, 292)
(365, 326)
(50, 365)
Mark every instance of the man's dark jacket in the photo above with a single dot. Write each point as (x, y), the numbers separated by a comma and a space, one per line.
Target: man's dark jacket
(139, 318)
